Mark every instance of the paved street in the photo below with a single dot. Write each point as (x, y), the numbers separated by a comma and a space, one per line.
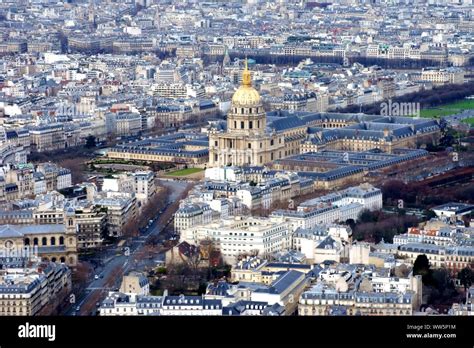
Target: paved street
(115, 259)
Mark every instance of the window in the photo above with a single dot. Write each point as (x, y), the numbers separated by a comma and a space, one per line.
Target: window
(242, 125)
(250, 124)
(44, 241)
(249, 145)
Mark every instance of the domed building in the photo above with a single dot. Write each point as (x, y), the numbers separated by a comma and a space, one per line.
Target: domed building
(247, 140)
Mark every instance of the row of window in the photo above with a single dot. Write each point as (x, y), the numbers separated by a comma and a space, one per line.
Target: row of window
(44, 241)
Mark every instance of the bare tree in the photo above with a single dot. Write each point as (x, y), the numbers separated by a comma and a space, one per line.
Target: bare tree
(130, 229)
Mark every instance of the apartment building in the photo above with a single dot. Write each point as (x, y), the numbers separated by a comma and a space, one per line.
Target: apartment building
(121, 208)
(26, 291)
(326, 301)
(141, 183)
(192, 214)
(47, 137)
(56, 178)
(454, 258)
(90, 225)
(242, 236)
(443, 76)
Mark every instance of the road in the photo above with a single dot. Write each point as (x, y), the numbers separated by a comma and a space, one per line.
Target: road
(457, 118)
(115, 261)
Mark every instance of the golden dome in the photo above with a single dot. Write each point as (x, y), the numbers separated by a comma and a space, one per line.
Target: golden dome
(246, 95)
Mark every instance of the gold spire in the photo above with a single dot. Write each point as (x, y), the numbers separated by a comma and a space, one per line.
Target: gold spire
(246, 95)
(246, 77)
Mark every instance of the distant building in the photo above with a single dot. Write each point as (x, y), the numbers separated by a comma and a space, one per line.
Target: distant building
(443, 76)
(453, 210)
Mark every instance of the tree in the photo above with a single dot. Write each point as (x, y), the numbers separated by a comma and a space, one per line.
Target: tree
(351, 223)
(90, 141)
(393, 189)
(130, 229)
(442, 287)
(367, 216)
(465, 277)
(421, 266)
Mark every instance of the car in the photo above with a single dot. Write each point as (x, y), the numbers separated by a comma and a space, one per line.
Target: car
(96, 277)
(78, 308)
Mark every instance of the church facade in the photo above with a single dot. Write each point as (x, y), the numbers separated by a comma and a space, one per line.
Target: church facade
(247, 140)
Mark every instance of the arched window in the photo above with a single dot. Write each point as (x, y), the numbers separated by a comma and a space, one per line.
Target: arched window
(53, 259)
(44, 241)
(61, 240)
(53, 241)
(27, 241)
(35, 241)
(63, 259)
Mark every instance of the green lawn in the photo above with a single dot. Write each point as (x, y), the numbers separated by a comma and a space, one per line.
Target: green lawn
(448, 109)
(184, 172)
(469, 121)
